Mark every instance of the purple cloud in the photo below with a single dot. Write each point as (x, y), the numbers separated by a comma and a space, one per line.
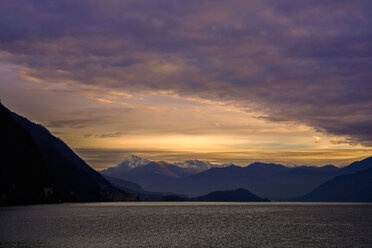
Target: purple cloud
(294, 61)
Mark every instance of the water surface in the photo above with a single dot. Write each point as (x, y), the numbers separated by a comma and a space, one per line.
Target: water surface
(187, 225)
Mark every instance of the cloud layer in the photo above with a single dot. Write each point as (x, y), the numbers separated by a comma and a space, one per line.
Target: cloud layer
(305, 62)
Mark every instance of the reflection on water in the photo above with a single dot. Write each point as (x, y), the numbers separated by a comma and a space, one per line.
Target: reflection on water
(187, 225)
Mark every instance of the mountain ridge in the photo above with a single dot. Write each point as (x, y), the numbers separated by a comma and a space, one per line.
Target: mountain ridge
(354, 187)
(270, 180)
(50, 172)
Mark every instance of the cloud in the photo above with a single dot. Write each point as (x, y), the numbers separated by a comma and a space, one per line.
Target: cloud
(344, 140)
(110, 135)
(76, 123)
(305, 62)
(316, 139)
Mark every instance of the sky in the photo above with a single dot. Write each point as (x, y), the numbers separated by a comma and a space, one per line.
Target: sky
(225, 81)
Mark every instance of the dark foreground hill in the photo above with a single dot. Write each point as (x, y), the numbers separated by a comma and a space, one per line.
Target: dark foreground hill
(238, 195)
(355, 187)
(36, 167)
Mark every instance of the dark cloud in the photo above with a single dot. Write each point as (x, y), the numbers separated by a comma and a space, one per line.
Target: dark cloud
(294, 61)
(76, 123)
(110, 135)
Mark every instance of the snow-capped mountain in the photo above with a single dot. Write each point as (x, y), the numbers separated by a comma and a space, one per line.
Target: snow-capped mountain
(142, 171)
(198, 164)
(133, 161)
(127, 164)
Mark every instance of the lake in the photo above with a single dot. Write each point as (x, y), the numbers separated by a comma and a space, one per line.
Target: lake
(146, 224)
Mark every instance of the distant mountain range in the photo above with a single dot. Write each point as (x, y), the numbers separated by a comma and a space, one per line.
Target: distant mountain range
(273, 181)
(131, 162)
(37, 167)
(355, 187)
(148, 174)
(199, 165)
(134, 162)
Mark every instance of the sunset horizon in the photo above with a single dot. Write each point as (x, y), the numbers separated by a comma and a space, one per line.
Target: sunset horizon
(181, 78)
(185, 123)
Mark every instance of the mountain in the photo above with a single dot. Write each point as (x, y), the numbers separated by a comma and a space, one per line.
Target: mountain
(354, 184)
(238, 195)
(356, 187)
(37, 167)
(151, 173)
(143, 195)
(198, 165)
(272, 181)
(127, 164)
(146, 172)
(358, 166)
(127, 186)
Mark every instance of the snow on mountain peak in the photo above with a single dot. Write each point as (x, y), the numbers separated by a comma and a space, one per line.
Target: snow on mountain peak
(133, 161)
(197, 164)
